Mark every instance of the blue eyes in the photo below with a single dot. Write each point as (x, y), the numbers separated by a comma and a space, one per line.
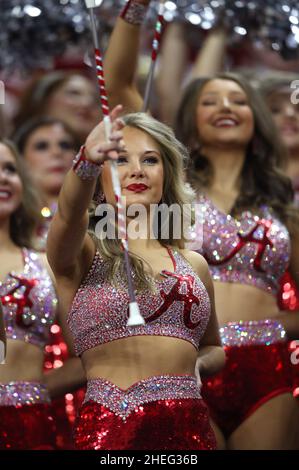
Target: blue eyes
(147, 160)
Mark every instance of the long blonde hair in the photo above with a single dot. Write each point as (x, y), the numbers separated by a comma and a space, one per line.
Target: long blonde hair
(175, 191)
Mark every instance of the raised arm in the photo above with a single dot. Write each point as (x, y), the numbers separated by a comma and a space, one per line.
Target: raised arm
(70, 249)
(211, 56)
(171, 74)
(121, 58)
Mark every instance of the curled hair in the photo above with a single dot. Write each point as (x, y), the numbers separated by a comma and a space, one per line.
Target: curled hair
(262, 177)
(24, 221)
(22, 134)
(35, 98)
(175, 191)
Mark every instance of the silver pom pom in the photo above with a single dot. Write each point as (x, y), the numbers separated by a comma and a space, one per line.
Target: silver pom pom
(272, 22)
(34, 32)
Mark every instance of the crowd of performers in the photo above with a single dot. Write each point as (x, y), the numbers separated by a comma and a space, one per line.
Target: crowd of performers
(209, 366)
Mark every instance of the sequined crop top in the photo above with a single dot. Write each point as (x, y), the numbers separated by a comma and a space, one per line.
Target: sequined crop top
(29, 301)
(179, 308)
(250, 249)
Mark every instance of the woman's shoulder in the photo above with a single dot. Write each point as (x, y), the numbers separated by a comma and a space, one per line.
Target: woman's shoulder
(197, 261)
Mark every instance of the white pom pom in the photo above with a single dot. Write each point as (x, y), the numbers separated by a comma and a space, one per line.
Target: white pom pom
(135, 318)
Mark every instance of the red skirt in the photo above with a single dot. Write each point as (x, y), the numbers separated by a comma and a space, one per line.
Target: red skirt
(257, 369)
(159, 413)
(26, 421)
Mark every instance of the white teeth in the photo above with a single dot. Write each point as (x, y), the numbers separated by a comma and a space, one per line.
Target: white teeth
(225, 122)
(4, 194)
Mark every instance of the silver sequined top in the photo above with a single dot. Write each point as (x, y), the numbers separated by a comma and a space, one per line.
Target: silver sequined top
(180, 308)
(29, 301)
(251, 249)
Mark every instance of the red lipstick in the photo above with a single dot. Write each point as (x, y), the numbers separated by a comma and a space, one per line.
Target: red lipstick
(137, 187)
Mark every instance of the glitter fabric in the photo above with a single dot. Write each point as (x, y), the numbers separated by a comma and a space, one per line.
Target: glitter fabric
(180, 308)
(23, 393)
(246, 333)
(254, 373)
(123, 403)
(250, 249)
(29, 302)
(158, 413)
(288, 298)
(85, 169)
(134, 13)
(26, 420)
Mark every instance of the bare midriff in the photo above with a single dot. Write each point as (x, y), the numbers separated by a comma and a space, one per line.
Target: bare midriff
(24, 362)
(129, 360)
(235, 302)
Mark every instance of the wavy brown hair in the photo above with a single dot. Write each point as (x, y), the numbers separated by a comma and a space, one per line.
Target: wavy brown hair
(175, 191)
(21, 135)
(24, 221)
(35, 98)
(262, 177)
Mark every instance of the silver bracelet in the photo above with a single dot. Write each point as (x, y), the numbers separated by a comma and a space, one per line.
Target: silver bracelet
(134, 13)
(85, 169)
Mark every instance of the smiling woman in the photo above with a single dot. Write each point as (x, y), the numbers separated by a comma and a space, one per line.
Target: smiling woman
(250, 237)
(137, 375)
(236, 167)
(29, 305)
(48, 147)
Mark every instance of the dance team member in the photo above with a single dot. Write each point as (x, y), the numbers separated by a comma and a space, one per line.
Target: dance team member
(141, 392)
(250, 239)
(29, 305)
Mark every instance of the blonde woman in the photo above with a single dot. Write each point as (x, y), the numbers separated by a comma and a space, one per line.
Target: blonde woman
(142, 392)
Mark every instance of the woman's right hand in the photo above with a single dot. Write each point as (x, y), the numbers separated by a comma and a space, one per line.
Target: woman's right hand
(97, 148)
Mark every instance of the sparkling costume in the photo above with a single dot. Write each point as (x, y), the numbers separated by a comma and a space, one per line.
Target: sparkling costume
(29, 307)
(288, 298)
(161, 412)
(253, 249)
(56, 353)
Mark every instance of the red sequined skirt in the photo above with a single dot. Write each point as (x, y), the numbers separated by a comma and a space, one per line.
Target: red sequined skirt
(158, 413)
(288, 299)
(26, 421)
(257, 369)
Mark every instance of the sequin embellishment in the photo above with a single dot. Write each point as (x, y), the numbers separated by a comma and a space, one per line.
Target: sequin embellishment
(180, 308)
(29, 302)
(250, 249)
(246, 333)
(124, 402)
(23, 393)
